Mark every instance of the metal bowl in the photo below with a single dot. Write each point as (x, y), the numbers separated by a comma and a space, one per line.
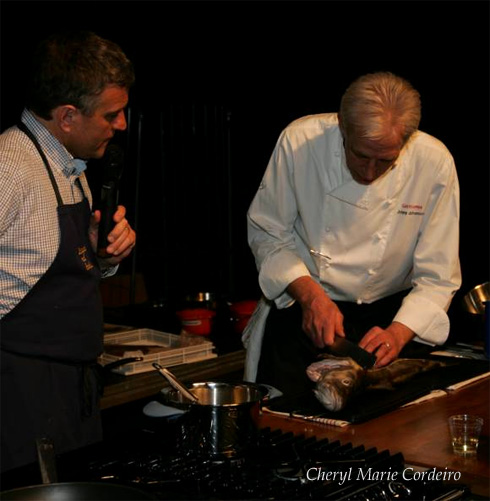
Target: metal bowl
(474, 300)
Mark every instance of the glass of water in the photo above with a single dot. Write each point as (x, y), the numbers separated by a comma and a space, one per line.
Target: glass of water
(465, 432)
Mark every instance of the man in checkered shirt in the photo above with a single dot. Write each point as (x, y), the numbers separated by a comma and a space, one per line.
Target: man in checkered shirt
(51, 326)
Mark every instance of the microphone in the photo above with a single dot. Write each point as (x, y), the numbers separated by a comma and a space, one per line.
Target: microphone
(113, 164)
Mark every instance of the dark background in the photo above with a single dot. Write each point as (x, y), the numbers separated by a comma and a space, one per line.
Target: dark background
(218, 81)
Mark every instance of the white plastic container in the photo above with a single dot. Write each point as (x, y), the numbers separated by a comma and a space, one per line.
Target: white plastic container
(175, 349)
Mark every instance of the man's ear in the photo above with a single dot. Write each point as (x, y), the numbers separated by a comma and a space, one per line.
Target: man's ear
(65, 116)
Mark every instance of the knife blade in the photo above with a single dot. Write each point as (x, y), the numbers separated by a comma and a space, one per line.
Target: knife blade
(342, 347)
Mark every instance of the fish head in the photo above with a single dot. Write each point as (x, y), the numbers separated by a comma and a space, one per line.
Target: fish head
(337, 378)
(335, 388)
(327, 364)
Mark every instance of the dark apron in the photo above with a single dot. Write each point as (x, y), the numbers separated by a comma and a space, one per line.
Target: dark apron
(49, 347)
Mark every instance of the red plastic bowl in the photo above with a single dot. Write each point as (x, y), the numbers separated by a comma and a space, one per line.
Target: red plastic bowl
(241, 313)
(197, 320)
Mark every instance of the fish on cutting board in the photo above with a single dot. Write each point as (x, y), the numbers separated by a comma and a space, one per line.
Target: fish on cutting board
(339, 378)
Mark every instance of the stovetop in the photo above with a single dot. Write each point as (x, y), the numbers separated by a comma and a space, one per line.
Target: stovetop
(278, 465)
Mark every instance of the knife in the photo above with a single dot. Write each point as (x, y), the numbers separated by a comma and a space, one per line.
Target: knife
(342, 347)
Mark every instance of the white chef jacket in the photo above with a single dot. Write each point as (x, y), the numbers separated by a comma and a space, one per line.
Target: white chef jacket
(360, 242)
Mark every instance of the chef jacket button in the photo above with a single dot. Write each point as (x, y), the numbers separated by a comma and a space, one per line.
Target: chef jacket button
(359, 301)
(327, 229)
(337, 153)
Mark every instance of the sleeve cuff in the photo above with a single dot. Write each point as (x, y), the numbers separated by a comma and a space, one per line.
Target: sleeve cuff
(428, 320)
(274, 279)
(108, 271)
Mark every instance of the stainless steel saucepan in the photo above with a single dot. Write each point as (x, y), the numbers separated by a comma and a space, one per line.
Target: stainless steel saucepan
(474, 300)
(224, 419)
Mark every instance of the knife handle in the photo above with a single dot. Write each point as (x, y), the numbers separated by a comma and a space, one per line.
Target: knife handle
(342, 347)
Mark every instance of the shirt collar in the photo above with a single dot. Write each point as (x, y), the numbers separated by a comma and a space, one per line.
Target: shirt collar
(77, 166)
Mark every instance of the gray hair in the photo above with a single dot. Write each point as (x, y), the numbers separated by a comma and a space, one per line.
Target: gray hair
(380, 103)
(74, 68)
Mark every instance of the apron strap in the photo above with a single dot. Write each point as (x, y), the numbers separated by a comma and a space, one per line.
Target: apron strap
(23, 127)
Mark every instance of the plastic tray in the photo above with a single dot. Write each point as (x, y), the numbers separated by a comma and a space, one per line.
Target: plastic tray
(176, 350)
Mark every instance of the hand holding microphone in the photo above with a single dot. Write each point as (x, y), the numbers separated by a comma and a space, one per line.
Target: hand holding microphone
(113, 168)
(112, 217)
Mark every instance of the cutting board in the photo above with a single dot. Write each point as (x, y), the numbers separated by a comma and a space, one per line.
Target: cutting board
(373, 403)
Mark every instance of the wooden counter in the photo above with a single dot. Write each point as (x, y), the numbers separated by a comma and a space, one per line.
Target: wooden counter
(419, 432)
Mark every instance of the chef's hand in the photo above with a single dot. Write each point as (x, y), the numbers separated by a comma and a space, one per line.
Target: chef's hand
(122, 237)
(322, 320)
(387, 343)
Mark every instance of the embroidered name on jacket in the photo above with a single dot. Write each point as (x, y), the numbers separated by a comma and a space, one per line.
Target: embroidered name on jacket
(411, 210)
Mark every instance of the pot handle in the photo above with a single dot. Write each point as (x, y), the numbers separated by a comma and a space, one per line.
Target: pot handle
(175, 383)
(123, 361)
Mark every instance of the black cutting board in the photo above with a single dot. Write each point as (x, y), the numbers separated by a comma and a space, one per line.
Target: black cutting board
(373, 403)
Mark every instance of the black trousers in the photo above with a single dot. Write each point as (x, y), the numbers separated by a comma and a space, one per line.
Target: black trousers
(287, 350)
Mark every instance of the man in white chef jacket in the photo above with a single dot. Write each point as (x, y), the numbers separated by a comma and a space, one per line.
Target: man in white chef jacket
(355, 232)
